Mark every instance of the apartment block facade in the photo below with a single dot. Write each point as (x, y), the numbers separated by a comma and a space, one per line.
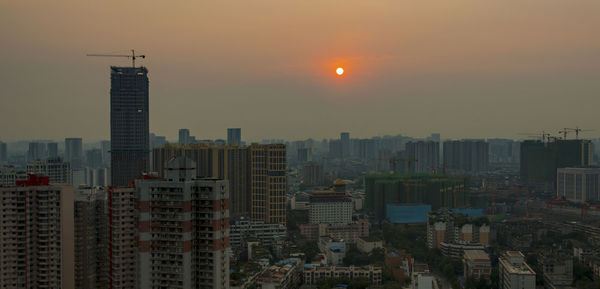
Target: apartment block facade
(183, 229)
(37, 235)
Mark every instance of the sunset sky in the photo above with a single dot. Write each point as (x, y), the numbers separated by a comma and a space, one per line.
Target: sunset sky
(463, 68)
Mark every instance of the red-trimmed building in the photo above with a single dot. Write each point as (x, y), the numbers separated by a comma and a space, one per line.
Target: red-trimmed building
(171, 232)
(183, 225)
(36, 235)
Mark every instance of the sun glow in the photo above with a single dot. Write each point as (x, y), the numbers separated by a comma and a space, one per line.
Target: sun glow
(339, 71)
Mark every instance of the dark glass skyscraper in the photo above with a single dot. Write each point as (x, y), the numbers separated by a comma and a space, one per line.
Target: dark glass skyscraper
(129, 123)
(234, 136)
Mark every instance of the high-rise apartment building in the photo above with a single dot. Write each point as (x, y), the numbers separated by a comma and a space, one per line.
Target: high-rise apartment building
(466, 156)
(230, 163)
(52, 150)
(540, 160)
(255, 171)
(345, 143)
(91, 238)
(234, 136)
(58, 171)
(36, 235)
(313, 175)
(183, 229)
(3, 153)
(36, 151)
(105, 148)
(122, 238)
(184, 136)
(74, 152)
(93, 158)
(425, 156)
(9, 175)
(129, 123)
(268, 183)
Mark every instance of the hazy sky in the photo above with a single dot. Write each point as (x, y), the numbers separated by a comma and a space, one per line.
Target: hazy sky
(463, 68)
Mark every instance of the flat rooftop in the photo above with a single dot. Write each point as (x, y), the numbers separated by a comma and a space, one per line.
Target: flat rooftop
(476, 255)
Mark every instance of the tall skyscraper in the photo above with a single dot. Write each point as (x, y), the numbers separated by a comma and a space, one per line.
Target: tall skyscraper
(37, 240)
(234, 136)
(129, 123)
(268, 183)
(3, 153)
(191, 231)
(52, 150)
(74, 152)
(345, 144)
(184, 136)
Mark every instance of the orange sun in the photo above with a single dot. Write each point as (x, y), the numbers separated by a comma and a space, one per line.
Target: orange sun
(339, 71)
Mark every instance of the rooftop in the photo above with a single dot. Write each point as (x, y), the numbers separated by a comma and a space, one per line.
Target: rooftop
(476, 255)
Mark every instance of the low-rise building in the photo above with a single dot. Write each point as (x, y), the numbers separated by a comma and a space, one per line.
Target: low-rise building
(333, 249)
(350, 233)
(514, 272)
(477, 264)
(399, 263)
(312, 274)
(421, 278)
(457, 250)
(242, 230)
(367, 244)
(450, 226)
(557, 268)
(283, 275)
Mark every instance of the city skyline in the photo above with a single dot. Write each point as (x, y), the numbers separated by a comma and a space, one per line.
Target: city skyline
(409, 67)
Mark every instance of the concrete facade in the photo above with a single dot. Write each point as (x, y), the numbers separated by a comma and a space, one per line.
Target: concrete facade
(514, 272)
(183, 230)
(578, 184)
(37, 235)
(477, 264)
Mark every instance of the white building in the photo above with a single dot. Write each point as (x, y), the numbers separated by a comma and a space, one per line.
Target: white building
(58, 171)
(243, 230)
(9, 175)
(313, 274)
(333, 249)
(367, 244)
(422, 278)
(330, 207)
(515, 272)
(578, 184)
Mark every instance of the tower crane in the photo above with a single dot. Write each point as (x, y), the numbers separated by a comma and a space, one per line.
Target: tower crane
(133, 56)
(577, 130)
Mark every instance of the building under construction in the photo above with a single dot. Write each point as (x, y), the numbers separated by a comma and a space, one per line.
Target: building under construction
(437, 191)
(540, 160)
